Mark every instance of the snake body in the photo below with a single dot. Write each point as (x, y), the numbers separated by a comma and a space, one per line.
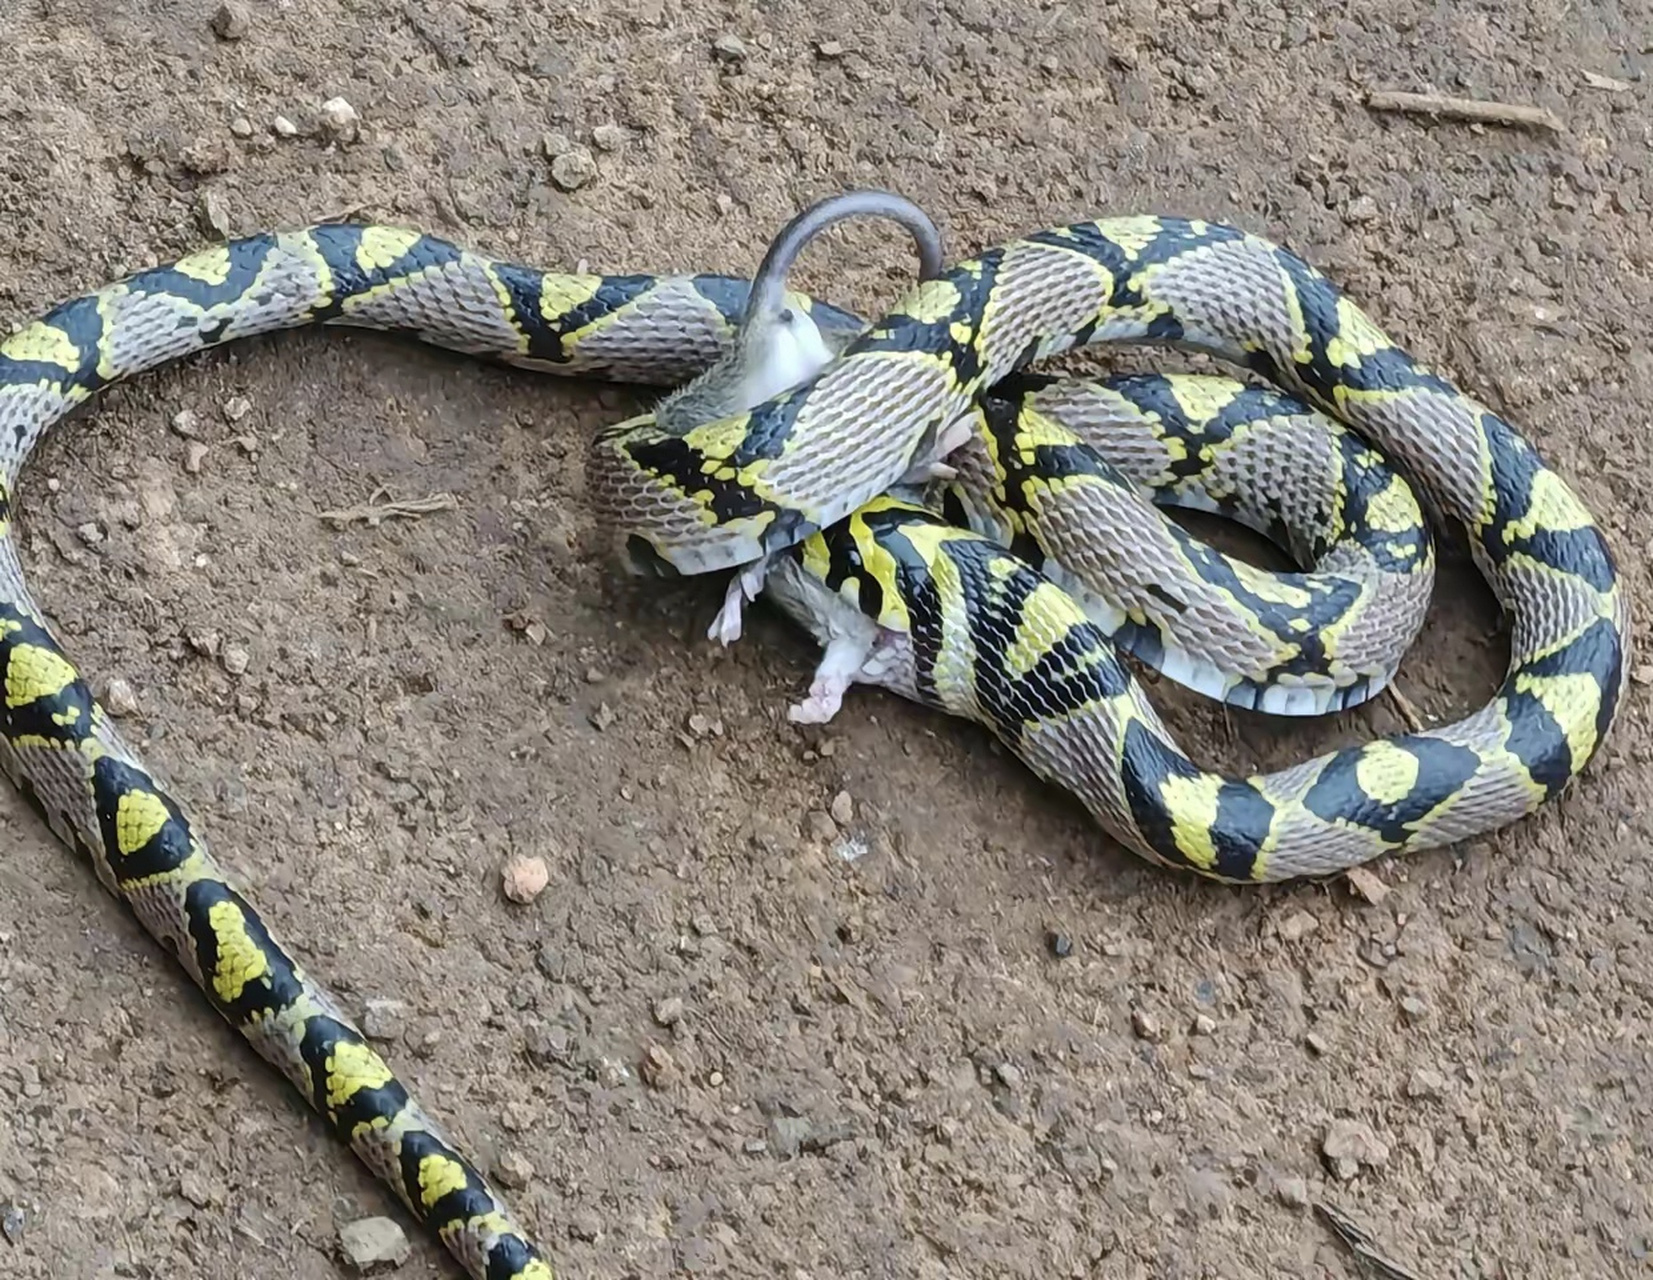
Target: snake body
(901, 597)
(957, 617)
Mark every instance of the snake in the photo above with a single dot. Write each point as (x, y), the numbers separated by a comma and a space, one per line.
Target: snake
(807, 496)
(851, 500)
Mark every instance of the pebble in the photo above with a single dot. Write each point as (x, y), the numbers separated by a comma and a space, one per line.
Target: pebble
(818, 825)
(573, 169)
(1010, 1075)
(372, 1243)
(730, 47)
(602, 717)
(1413, 1009)
(186, 423)
(339, 116)
(1204, 1024)
(1643, 674)
(383, 1019)
(1366, 884)
(236, 659)
(659, 1068)
(237, 408)
(524, 877)
(229, 22)
(1425, 1083)
(669, 1012)
(213, 215)
(90, 533)
(195, 453)
(1297, 926)
(241, 127)
(1146, 1026)
(842, 809)
(282, 127)
(609, 137)
(829, 49)
(1317, 1044)
(13, 1222)
(1350, 1145)
(1292, 1192)
(1361, 209)
(1060, 945)
(120, 700)
(514, 1170)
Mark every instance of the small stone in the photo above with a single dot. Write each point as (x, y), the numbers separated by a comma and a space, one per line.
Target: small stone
(557, 144)
(186, 423)
(829, 49)
(120, 700)
(1204, 1024)
(91, 533)
(514, 1170)
(371, 1244)
(282, 127)
(524, 877)
(602, 717)
(229, 22)
(573, 169)
(730, 47)
(1364, 882)
(659, 1067)
(1059, 944)
(195, 1190)
(1292, 1192)
(241, 127)
(715, 1079)
(1010, 1075)
(842, 809)
(1413, 1009)
(339, 117)
(1146, 1026)
(236, 659)
(609, 137)
(1297, 926)
(1425, 1083)
(383, 1019)
(1361, 209)
(237, 408)
(1317, 1044)
(818, 825)
(13, 1222)
(1643, 673)
(213, 215)
(1349, 1146)
(669, 1012)
(195, 453)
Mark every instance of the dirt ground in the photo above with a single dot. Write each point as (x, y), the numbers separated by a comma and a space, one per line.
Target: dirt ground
(877, 1065)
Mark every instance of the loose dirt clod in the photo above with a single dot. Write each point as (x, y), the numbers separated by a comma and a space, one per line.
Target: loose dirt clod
(525, 877)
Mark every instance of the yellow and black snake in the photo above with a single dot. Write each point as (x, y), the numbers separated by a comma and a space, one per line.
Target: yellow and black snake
(801, 488)
(900, 595)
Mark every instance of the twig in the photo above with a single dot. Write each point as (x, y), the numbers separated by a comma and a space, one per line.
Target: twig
(1436, 104)
(1358, 1241)
(381, 507)
(1404, 708)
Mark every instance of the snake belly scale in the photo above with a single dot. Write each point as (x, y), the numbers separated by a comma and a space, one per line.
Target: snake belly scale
(998, 641)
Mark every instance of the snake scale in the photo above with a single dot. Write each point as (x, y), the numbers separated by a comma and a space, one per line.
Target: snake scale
(944, 589)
